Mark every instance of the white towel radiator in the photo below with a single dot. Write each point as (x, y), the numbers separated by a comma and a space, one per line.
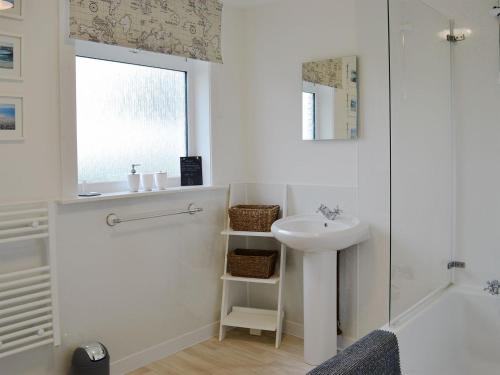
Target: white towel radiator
(28, 304)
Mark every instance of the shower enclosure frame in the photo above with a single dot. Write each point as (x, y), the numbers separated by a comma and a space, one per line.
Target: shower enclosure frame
(393, 246)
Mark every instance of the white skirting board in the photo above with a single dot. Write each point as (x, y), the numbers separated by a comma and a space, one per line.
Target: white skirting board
(164, 349)
(294, 329)
(167, 348)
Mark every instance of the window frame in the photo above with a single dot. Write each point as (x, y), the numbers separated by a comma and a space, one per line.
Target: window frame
(310, 88)
(187, 110)
(199, 116)
(314, 101)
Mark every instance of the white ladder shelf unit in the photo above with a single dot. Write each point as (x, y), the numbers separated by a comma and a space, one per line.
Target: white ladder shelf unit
(28, 308)
(232, 313)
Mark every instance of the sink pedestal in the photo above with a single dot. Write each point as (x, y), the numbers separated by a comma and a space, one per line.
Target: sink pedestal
(320, 306)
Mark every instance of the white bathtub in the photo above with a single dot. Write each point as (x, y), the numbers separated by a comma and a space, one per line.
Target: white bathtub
(456, 332)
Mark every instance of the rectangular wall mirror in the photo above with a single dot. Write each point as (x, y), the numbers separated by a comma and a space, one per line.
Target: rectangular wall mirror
(330, 99)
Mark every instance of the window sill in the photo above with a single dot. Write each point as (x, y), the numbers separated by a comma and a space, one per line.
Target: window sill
(140, 194)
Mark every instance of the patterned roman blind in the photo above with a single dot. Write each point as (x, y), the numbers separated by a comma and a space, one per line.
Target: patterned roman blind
(187, 28)
(325, 72)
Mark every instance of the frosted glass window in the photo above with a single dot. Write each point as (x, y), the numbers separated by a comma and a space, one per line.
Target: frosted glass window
(129, 114)
(308, 115)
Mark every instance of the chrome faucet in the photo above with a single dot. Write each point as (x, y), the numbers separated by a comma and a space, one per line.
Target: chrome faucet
(493, 287)
(328, 213)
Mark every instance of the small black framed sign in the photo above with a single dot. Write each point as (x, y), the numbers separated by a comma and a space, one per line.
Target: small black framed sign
(191, 171)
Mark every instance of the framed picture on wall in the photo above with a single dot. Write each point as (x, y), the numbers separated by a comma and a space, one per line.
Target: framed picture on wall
(16, 12)
(11, 118)
(10, 57)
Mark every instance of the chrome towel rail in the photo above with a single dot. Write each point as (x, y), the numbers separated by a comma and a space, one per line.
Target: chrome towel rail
(113, 219)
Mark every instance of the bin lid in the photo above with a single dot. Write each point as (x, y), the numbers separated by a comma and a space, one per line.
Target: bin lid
(95, 351)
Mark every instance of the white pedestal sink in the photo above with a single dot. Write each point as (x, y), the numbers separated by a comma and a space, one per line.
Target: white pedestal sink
(320, 239)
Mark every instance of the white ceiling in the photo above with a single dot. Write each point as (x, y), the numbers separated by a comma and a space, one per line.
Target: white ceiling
(247, 3)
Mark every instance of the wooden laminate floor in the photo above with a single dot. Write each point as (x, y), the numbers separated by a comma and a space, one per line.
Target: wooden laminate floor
(238, 354)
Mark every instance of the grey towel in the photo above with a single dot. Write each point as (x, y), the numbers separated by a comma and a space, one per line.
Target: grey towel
(375, 354)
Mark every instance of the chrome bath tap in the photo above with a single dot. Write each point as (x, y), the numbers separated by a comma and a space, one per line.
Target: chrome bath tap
(328, 213)
(493, 287)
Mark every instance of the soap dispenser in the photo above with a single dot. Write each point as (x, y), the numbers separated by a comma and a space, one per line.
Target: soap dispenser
(134, 179)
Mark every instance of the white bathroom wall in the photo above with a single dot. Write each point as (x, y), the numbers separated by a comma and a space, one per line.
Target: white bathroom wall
(280, 36)
(140, 284)
(30, 169)
(260, 78)
(172, 267)
(477, 94)
(279, 39)
(478, 154)
(145, 289)
(229, 158)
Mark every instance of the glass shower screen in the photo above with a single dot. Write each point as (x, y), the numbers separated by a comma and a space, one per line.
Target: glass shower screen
(421, 153)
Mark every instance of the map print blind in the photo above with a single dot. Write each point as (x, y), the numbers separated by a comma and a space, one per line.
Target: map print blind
(325, 72)
(187, 28)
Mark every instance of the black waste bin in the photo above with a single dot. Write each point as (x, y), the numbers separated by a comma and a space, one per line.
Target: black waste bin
(90, 359)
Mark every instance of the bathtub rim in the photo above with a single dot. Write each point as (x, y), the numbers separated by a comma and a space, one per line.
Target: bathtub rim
(401, 321)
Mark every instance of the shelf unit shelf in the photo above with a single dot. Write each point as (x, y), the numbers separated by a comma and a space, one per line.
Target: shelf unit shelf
(259, 319)
(275, 279)
(233, 315)
(230, 232)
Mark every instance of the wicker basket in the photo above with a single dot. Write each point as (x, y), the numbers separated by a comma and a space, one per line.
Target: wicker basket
(258, 264)
(253, 218)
